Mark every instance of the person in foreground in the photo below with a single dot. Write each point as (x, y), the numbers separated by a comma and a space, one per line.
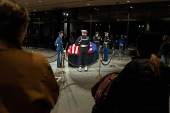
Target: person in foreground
(27, 82)
(142, 86)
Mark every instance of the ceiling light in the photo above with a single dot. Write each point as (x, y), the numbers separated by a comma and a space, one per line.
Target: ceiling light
(45, 12)
(26, 3)
(67, 14)
(64, 13)
(97, 9)
(40, 1)
(33, 14)
(34, 10)
(169, 5)
(88, 4)
(167, 10)
(128, 1)
(94, 8)
(131, 7)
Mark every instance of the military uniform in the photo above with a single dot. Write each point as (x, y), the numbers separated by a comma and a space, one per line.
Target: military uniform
(59, 44)
(84, 42)
(106, 46)
(97, 41)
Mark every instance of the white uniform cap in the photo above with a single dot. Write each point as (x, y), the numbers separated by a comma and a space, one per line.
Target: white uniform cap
(84, 31)
(106, 33)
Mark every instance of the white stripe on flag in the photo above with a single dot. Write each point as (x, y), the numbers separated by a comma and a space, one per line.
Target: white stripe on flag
(76, 49)
(73, 49)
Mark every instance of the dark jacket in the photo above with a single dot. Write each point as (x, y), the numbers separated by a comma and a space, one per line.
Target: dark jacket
(106, 42)
(165, 48)
(137, 90)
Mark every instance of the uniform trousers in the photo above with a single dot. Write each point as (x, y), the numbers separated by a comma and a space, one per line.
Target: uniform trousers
(105, 54)
(59, 52)
(83, 56)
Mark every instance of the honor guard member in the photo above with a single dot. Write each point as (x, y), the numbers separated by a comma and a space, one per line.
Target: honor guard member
(106, 46)
(59, 44)
(97, 39)
(84, 42)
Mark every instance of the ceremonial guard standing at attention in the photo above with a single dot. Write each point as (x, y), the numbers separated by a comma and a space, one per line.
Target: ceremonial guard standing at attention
(59, 44)
(106, 46)
(84, 43)
(97, 40)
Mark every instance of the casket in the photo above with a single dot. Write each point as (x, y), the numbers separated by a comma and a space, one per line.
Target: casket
(74, 59)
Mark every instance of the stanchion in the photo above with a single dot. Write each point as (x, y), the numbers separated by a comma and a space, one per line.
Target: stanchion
(112, 61)
(121, 55)
(99, 77)
(62, 71)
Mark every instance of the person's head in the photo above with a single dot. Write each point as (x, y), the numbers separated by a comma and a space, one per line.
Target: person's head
(121, 36)
(97, 33)
(84, 32)
(165, 37)
(60, 33)
(13, 23)
(148, 47)
(106, 34)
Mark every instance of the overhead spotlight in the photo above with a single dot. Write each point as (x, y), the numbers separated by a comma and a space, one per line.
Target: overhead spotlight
(169, 5)
(34, 10)
(39, 0)
(94, 8)
(128, 1)
(97, 9)
(96, 24)
(143, 25)
(88, 4)
(45, 12)
(33, 14)
(139, 25)
(26, 3)
(131, 7)
(64, 13)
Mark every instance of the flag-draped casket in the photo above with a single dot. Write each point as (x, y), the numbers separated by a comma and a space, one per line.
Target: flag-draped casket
(73, 54)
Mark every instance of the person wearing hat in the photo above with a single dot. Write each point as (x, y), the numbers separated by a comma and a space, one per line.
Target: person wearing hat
(84, 43)
(59, 44)
(106, 46)
(97, 40)
(165, 49)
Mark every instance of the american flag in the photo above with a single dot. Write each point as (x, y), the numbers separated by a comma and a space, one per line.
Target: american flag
(73, 49)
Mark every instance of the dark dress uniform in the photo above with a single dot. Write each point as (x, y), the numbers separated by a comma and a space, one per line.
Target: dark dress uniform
(106, 46)
(97, 40)
(84, 42)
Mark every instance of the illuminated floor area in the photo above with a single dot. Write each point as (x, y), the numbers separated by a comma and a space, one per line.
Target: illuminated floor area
(75, 87)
